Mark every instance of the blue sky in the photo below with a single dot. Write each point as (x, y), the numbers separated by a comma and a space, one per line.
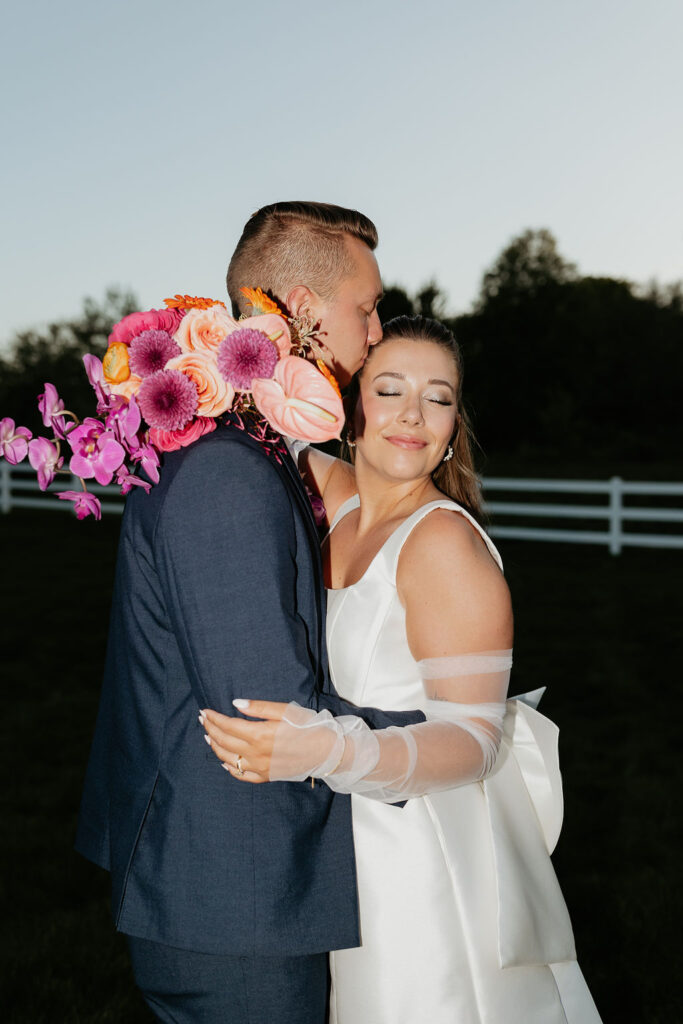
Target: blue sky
(139, 136)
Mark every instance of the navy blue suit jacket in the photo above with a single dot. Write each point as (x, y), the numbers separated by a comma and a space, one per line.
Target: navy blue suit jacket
(218, 594)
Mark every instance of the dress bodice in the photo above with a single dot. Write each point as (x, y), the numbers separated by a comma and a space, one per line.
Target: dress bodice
(378, 668)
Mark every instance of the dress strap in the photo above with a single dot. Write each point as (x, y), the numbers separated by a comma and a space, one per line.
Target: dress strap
(346, 507)
(392, 548)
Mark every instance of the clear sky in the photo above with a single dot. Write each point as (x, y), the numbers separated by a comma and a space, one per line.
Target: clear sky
(138, 136)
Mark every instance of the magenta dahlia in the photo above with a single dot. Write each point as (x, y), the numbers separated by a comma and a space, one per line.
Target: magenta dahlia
(167, 399)
(150, 352)
(244, 355)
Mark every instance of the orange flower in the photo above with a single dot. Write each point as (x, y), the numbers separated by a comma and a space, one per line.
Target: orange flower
(326, 372)
(191, 302)
(115, 363)
(260, 302)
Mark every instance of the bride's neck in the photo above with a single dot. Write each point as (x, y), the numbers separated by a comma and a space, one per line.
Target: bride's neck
(382, 500)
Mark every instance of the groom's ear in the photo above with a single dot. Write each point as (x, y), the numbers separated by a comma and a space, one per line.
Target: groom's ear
(300, 299)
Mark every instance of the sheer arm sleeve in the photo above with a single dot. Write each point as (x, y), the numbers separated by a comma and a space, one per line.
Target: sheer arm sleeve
(464, 707)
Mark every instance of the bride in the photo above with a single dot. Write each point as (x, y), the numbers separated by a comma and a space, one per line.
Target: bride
(462, 918)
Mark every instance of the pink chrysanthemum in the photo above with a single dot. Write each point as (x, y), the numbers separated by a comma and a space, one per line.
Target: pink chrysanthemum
(150, 352)
(244, 355)
(167, 399)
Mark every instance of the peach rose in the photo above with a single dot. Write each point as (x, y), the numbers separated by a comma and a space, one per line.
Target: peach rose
(215, 394)
(299, 401)
(202, 330)
(127, 388)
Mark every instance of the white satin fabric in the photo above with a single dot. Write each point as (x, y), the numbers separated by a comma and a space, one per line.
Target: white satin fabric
(462, 918)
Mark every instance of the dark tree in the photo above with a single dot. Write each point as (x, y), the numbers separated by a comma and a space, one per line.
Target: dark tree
(55, 353)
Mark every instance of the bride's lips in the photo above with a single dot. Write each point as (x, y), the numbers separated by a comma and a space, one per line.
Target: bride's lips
(406, 441)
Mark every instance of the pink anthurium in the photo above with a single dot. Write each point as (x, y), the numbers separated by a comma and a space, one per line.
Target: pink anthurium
(45, 459)
(14, 441)
(298, 401)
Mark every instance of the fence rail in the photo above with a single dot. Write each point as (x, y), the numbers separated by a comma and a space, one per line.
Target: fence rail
(19, 489)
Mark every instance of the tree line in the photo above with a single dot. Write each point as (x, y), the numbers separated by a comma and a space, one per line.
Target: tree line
(560, 369)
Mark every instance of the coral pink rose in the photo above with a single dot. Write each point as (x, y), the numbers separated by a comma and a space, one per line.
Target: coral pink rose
(151, 320)
(171, 440)
(215, 394)
(127, 388)
(299, 401)
(202, 330)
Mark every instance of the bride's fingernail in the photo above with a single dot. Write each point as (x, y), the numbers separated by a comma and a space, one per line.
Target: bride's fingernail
(208, 739)
(201, 719)
(239, 703)
(226, 766)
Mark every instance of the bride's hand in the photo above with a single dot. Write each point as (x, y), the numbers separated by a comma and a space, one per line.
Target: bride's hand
(245, 748)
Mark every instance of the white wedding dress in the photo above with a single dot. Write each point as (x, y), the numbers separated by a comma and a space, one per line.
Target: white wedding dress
(462, 918)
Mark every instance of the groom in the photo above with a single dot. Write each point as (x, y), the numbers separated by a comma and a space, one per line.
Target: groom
(231, 895)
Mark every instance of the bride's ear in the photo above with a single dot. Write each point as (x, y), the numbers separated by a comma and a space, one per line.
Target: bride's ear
(300, 300)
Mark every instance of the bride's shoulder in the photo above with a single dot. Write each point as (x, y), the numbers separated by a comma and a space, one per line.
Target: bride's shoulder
(449, 533)
(446, 574)
(445, 551)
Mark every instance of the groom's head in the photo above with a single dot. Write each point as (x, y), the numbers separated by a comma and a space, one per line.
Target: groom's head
(317, 260)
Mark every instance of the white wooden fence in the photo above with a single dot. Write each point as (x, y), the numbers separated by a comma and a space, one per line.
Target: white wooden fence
(610, 504)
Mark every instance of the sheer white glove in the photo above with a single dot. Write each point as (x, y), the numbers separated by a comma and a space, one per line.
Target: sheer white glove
(464, 706)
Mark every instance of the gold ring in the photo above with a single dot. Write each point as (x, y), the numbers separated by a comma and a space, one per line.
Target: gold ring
(238, 766)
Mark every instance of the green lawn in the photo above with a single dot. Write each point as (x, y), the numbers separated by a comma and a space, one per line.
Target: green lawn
(599, 631)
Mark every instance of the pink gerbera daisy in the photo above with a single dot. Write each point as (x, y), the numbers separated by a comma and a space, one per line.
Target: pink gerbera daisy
(245, 355)
(167, 399)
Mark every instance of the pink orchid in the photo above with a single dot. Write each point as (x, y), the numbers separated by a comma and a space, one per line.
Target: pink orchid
(13, 441)
(50, 405)
(45, 459)
(96, 451)
(85, 504)
(93, 368)
(124, 421)
(298, 401)
(148, 457)
(127, 481)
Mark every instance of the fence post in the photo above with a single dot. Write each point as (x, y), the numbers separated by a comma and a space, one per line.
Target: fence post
(5, 487)
(615, 507)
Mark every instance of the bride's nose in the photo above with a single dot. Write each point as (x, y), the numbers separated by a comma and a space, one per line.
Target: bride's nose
(411, 411)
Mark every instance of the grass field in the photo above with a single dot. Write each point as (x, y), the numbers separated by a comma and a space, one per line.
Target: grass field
(600, 632)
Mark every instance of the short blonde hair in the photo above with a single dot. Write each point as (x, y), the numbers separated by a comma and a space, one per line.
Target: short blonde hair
(288, 244)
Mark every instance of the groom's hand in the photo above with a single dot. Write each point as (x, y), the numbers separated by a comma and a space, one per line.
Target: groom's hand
(244, 748)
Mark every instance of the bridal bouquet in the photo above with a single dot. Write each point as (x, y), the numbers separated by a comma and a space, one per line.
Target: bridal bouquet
(167, 377)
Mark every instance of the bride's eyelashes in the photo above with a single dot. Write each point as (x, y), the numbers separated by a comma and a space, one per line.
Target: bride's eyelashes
(429, 398)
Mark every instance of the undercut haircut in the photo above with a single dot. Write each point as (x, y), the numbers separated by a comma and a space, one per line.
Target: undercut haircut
(288, 244)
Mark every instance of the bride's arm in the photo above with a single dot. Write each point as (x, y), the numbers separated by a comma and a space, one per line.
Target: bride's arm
(459, 625)
(331, 479)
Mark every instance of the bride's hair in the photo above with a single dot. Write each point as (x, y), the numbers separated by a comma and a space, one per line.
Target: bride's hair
(457, 478)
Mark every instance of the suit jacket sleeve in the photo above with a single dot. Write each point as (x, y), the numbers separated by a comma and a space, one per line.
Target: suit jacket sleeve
(226, 548)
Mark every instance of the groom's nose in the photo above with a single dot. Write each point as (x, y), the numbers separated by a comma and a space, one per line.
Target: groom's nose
(374, 329)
